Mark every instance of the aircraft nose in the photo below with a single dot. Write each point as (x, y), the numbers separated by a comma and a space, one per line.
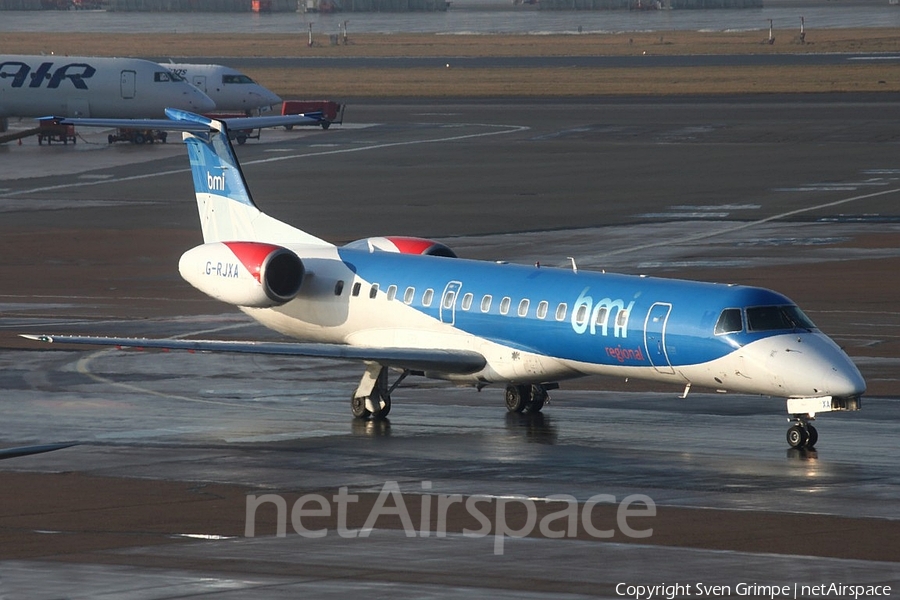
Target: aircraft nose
(812, 365)
(263, 97)
(200, 102)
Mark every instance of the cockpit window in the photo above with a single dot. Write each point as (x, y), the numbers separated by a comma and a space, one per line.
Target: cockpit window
(769, 318)
(167, 76)
(236, 79)
(730, 321)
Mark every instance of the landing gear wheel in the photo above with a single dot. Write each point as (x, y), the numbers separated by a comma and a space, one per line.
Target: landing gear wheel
(358, 407)
(384, 407)
(364, 407)
(538, 397)
(813, 436)
(517, 396)
(373, 395)
(797, 436)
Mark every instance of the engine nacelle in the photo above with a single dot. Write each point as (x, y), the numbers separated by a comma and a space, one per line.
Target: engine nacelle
(403, 245)
(250, 274)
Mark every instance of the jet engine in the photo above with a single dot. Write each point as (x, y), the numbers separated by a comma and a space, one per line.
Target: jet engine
(249, 274)
(403, 245)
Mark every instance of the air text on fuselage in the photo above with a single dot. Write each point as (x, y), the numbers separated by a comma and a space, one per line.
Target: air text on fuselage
(21, 73)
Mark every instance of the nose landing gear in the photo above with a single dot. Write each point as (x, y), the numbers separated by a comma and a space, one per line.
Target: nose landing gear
(803, 410)
(802, 434)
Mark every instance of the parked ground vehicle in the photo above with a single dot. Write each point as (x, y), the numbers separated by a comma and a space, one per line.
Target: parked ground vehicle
(50, 130)
(138, 136)
(332, 112)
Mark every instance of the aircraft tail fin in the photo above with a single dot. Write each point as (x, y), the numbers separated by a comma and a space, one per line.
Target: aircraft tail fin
(227, 211)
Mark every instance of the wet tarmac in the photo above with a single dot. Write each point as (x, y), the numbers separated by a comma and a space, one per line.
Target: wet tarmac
(800, 197)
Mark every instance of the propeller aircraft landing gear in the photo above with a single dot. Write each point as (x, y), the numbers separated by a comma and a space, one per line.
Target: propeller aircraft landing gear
(373, 396)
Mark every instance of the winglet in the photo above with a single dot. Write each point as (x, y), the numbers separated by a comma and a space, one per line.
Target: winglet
(37, 338)
(176, 114)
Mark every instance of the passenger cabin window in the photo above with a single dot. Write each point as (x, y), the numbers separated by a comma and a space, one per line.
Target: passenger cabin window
(771, 318)
(427, 297)
(602, 313)
(504, 305)
(486, 303)
(523, 307)
(467, 301)
(356, 287)
(730, 321)
(581, 315)
(392, 292)
(542, 308)
(561, 311)
(373, 291)
(409, 295)
(338, 288)
(449, 298)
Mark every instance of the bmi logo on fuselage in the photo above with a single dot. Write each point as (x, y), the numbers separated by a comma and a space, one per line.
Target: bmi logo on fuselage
(594, 317)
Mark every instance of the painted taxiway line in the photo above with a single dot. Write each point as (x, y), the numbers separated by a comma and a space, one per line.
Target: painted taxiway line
(694, 237)
(503, 130)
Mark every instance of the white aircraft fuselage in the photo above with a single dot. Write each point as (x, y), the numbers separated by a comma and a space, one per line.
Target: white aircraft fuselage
(95, 87)
(231, 90)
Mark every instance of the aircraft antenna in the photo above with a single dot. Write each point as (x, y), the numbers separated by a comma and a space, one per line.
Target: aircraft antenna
(574, 266)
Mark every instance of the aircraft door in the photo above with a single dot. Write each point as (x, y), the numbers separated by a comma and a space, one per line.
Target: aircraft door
(655, 337)
(199, 81)
(449, 300)
(127, 84)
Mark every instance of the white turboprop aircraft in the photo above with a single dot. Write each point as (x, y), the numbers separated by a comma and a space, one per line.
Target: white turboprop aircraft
(83, 86)
(231, 90)
(412, 305)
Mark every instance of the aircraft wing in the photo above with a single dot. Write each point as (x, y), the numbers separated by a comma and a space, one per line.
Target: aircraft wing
(416, 359)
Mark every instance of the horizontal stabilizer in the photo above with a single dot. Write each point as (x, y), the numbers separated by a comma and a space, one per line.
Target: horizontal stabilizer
(197, 123)
(416, 359)
(29, 450)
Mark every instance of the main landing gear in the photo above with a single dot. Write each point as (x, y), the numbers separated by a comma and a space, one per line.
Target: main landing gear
(373, 396)
(528, 398)
(802, 434)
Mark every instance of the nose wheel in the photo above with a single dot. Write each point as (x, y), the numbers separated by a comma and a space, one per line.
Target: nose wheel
(802, 435)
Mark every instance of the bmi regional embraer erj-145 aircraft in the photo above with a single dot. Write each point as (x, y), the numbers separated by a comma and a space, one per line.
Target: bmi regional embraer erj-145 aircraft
(410, 304)
(83, 86)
